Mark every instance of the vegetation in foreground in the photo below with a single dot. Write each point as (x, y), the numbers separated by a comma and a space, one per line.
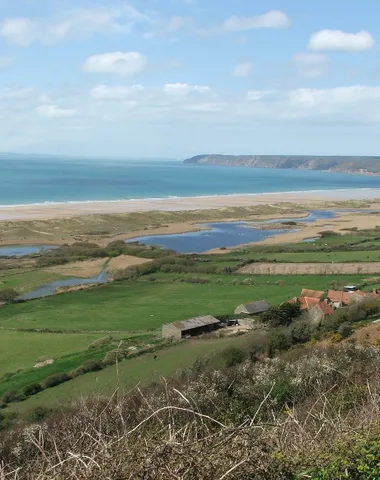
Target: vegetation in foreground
(312, 414)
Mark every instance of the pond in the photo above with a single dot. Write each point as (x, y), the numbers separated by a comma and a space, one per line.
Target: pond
(226, 234)
(22, 250)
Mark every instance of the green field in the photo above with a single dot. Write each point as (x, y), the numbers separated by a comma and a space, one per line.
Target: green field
(23, 349)
(26, 282)
(320, 257)
(130, 306)
(133, 372)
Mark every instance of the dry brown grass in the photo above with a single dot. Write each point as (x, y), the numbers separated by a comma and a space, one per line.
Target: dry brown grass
(310, 268)
(83, 269)
(125, 261)
(229, 424)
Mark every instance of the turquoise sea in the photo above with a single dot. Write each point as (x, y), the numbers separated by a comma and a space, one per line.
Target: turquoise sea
(28, 180)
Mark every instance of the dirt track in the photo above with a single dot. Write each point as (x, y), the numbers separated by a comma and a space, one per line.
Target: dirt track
(310, 268)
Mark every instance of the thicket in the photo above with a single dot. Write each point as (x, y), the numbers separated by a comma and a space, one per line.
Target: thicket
(311, 414)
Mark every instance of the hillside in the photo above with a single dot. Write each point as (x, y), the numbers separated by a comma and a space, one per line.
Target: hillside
(343, 164)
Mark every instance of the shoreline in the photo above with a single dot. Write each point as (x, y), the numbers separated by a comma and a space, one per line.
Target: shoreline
(176, 204)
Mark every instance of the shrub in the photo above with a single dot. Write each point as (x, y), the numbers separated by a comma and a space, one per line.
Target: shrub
(57, 379)
(345, 330)
(113, 356)
(37, 414)
(9, 397)
(358, 458)
(32, 389)
(101, 342)
(233, 356)
(278, 341)
(8, 295)
(91, 365)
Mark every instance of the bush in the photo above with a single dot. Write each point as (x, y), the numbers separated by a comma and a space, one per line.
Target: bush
(91, 365)
(358, 458)
(233, 356)
(345, 330)
(278, 341)
(113, 356)
(101, 342)
(57, 379)
(8, 295)
(37, 414)
(32, 389)
(9, 397)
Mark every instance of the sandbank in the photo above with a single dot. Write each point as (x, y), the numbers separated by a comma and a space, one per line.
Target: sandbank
(74, 209)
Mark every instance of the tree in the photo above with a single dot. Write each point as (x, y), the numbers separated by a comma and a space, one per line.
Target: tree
(283, 315)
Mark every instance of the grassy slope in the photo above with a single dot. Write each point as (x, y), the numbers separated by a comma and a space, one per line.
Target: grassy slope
(132, 372)
(22, 349)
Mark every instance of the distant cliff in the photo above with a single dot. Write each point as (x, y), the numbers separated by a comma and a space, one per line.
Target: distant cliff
(343, 164)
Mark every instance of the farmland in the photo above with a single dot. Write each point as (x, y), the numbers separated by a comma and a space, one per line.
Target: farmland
(154, 287)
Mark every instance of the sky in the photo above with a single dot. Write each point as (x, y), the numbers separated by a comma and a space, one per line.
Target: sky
(176, 78)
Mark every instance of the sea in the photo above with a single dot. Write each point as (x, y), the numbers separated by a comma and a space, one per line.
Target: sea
(43, 179)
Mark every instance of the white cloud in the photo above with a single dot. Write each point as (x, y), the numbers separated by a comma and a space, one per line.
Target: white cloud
(272, 19)
(53, 111)
(311, 65)
(184, 89)
(24, 31)
(242, 70)
(356, 104)
(10, 93)
(337, 40)
(104, 92)
(122, 64)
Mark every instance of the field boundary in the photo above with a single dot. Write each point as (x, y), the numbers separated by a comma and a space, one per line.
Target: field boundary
(276, 268)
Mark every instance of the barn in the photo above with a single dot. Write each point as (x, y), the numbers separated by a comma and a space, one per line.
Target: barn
(253, 308)
(191, 327)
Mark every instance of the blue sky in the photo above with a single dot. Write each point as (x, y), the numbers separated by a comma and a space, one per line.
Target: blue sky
(174, 78)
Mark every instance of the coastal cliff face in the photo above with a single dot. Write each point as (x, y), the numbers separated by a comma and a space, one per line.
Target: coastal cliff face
(343, 164)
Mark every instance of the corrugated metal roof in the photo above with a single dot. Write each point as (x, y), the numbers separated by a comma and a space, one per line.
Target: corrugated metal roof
(196, 322)
(257, 307)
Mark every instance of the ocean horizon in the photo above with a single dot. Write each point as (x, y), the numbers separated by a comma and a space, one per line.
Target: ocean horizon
(56, 180)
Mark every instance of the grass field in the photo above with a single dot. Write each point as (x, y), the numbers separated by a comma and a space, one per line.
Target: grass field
(23, 349)
(359, 256)
(130, 373)
(130, 306)
(25, 282)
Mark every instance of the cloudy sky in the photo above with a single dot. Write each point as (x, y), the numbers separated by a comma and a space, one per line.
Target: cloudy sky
(174, 78)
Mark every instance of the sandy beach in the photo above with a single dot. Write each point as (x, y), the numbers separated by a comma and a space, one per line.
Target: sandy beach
(66, 210)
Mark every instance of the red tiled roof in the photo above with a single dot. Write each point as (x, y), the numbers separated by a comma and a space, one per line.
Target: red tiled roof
(311, 293)
(308, 302)
(325, 308)
(339, 297)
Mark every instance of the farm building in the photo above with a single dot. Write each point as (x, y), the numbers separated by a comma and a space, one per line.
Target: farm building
(193, 326)
(253, 308)
(319, 312)
(339, 299)
(311, 293)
